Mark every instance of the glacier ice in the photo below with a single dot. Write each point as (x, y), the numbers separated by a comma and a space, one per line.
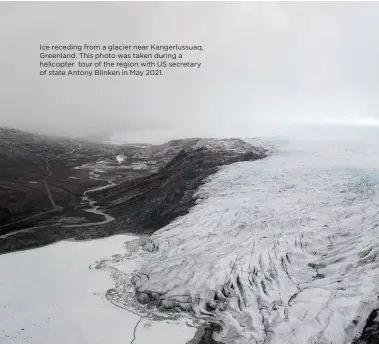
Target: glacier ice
(279, 250)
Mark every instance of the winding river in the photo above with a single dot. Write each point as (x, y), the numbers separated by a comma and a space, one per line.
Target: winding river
(94, 209)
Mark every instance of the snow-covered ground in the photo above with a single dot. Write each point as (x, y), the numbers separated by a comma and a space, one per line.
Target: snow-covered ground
(54, 295)
(120, 158)
(280, 250)
(235, 145)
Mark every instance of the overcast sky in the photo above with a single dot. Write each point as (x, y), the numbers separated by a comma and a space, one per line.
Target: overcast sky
(262, 63)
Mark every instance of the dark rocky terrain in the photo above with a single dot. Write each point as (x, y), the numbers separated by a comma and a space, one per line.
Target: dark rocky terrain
(370, 333)
(23, 169)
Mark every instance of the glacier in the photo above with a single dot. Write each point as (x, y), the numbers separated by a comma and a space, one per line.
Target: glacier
(279, 250)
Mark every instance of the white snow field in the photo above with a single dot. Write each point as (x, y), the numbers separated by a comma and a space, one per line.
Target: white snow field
(52, 295)
(279, 250)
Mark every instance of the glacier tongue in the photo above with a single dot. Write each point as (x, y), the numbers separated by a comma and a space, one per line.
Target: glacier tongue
(279, 250)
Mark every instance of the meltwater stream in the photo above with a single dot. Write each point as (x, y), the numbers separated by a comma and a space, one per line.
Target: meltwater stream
(94, 209)
(280, 250)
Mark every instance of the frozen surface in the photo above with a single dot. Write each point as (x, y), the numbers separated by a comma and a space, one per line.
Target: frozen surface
(236, 145)
(52, 295)
(280, 250)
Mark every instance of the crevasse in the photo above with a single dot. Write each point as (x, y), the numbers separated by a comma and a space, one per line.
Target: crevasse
(279, 250)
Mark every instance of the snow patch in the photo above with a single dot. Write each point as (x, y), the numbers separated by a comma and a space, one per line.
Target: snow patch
(139, 166)
(120, 158)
